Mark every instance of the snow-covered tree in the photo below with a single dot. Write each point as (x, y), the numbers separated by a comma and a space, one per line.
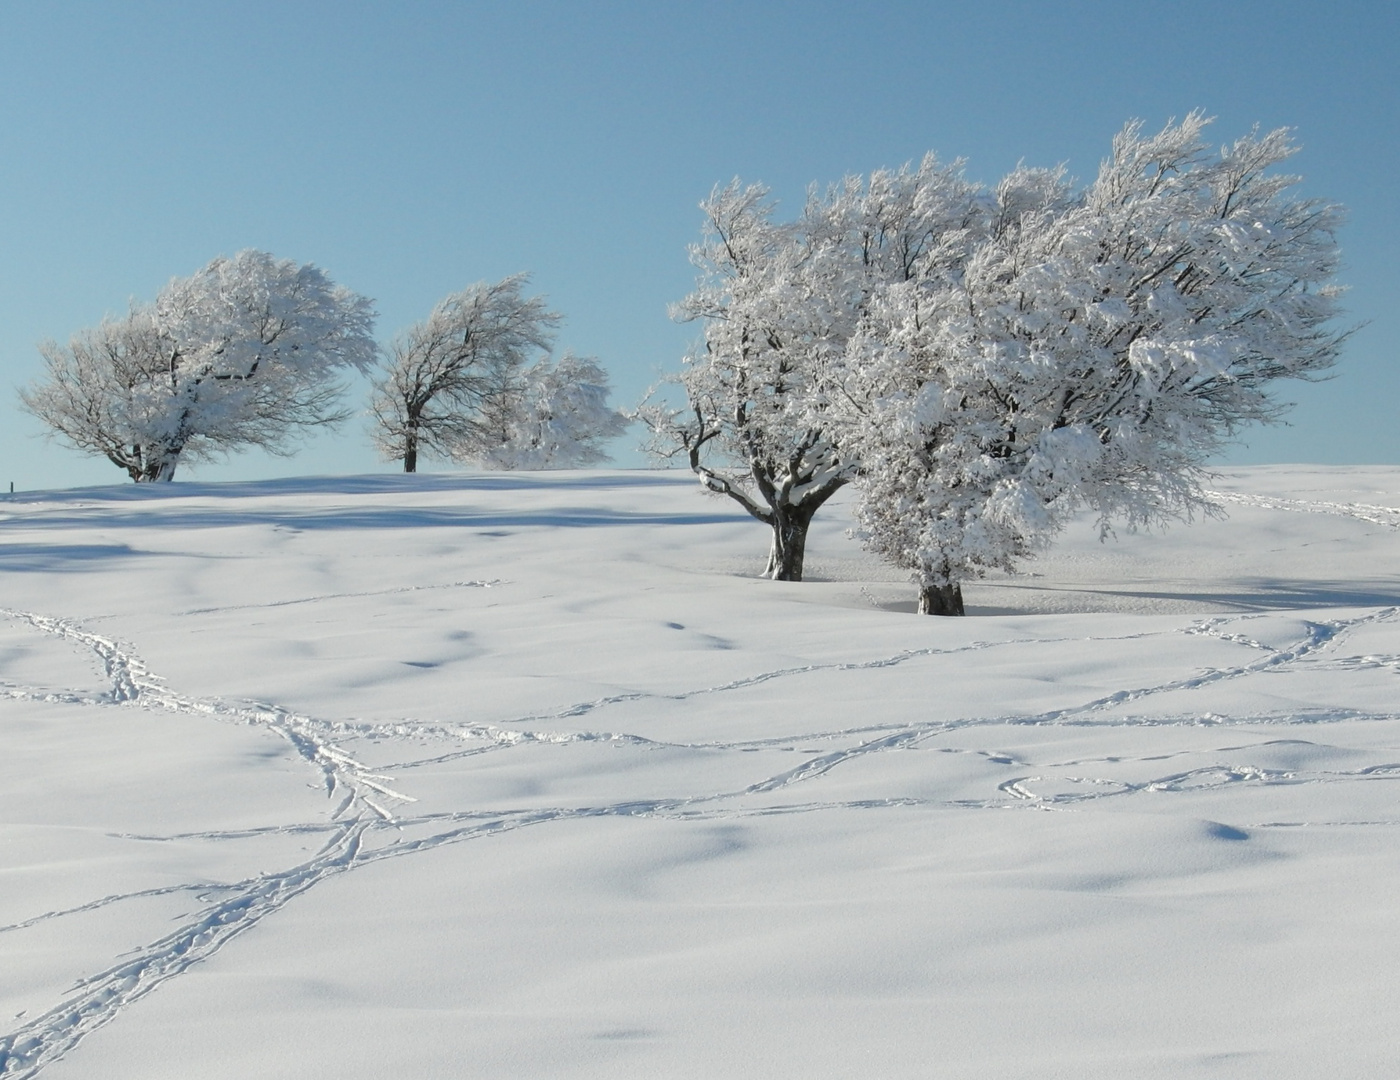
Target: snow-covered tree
(779, 303)
(451, 386)
(1090, 349)
(559, 419)
(748, 430)
(244, 353)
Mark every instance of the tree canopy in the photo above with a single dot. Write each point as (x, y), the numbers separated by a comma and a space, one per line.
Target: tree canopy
(983, 363)
(244, 353)
(474, 383)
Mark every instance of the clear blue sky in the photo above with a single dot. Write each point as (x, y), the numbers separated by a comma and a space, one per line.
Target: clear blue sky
(410, 149)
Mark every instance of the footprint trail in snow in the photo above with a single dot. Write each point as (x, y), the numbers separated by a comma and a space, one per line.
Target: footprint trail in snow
(1253, 722)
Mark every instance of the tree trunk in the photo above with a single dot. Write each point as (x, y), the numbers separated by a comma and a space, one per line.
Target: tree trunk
(163, 457)
(152, 466)
(410, 444)
(941, 599)
(789, 545)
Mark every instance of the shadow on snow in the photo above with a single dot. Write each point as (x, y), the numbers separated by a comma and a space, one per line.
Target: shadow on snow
(368, 484)
(276, 503)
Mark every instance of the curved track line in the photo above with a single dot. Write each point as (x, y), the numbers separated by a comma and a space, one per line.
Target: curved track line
(1388, 516)
(362, 812)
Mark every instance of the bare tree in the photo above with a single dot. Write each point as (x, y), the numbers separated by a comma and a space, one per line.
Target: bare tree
(451, 383)
(984, 363)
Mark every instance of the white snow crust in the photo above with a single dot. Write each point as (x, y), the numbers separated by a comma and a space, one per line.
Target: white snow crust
(530, 775)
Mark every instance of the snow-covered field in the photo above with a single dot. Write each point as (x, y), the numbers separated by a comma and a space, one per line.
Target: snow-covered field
(527, 776)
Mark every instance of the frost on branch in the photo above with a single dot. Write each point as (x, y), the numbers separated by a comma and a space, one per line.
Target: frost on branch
(246, 352)
(781, 305)
(985, 362)
(751, 428)
(561, 418)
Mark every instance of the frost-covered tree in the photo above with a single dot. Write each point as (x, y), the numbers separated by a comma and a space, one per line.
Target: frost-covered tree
(451, 386)
(244, 353)
(559, 417)
(748, 429)
(779, 304)
(986, 363)
(1091, 349)
(98, 396)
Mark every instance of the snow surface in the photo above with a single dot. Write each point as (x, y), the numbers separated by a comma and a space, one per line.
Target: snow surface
(528, 776)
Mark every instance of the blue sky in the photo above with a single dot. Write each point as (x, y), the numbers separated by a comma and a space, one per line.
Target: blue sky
(412, 149)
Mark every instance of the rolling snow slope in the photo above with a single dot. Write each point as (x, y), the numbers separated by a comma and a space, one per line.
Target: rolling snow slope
(526, 775)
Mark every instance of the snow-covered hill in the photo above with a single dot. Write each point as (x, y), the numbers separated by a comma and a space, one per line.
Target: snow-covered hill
(527, 776)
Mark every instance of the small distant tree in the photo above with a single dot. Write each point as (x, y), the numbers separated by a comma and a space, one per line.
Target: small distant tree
(451, 386)
(244, 353)
(559, 417)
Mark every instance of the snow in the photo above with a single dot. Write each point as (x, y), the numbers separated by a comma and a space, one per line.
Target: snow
(530, 775)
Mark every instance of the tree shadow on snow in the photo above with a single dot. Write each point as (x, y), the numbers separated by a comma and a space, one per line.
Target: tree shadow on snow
(230, 504)
(48, 558)
(1241, 595)
(367, 484)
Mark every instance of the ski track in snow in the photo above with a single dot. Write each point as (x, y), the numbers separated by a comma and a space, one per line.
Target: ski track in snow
(369, 821)
(494, 583)
(1374, 515)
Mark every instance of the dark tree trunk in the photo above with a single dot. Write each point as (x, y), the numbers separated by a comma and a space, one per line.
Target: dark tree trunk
(134, 461)
(941, 600)
(788, 521)
(786, 554)
(150, 465)
(789, 543)
(164, 457)
(410, 459)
